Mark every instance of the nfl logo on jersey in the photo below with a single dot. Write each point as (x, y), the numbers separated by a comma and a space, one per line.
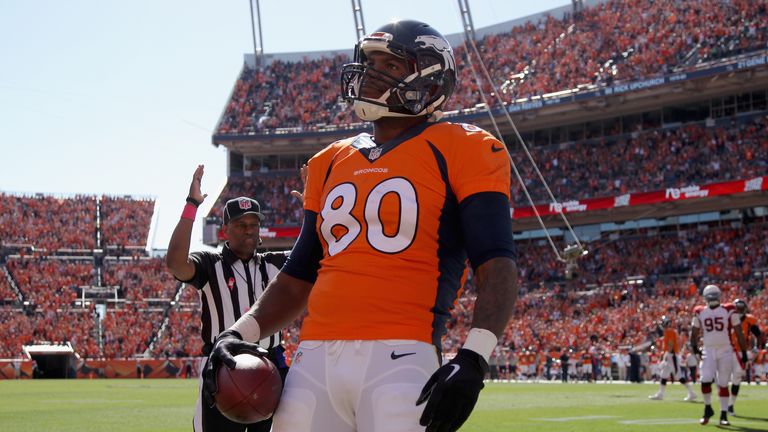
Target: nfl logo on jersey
(375, 153)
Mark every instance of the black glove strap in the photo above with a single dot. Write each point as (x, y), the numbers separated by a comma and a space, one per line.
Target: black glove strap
(193, 201)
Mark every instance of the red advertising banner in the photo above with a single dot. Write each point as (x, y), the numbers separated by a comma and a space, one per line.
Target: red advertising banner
(644, 198)
(601, 203)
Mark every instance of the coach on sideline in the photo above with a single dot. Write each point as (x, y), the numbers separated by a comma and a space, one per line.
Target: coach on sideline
(229, 283)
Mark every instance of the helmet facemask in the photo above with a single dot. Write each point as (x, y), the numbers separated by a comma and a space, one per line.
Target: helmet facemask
(712, 295)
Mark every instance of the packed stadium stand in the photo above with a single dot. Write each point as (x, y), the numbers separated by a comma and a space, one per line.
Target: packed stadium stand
(648, 120)
(613, 41)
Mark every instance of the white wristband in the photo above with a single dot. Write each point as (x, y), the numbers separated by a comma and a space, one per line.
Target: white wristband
(248, 328)
(481, 341)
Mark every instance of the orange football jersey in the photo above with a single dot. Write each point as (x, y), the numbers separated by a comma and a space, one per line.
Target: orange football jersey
(388, 221)
(747, 321)
(671, 341)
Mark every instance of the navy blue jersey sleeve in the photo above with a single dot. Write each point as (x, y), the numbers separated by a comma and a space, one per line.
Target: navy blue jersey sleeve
(304, 260)
(487, 227)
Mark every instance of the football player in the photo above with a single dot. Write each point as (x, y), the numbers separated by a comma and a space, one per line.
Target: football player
(670, 361)
(390, 221)
(749, 327)
(713, 323)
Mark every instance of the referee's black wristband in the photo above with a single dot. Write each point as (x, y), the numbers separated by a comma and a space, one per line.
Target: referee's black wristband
(193, 201)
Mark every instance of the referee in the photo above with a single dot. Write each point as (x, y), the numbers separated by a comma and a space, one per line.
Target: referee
(229, 283)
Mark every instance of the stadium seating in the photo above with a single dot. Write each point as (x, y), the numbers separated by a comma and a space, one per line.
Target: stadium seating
(125, 221)
(601, 167)
(47, 222)
(7, 294)
(129, 330)
(646, 161)
(610, 42)
(50, 283)
(140, 279)
(553, 311)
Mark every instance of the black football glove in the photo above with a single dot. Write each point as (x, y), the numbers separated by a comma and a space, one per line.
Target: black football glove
(227, 346)
(695, 349)
(744, 358)
(452, 392)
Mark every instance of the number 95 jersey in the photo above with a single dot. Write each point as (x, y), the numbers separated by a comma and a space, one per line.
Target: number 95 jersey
(715, 324)
(389, 224)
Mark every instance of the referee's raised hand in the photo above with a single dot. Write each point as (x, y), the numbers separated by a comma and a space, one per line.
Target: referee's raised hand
(195, 189)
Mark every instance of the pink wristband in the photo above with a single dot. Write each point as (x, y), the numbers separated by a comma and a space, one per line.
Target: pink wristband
(189, 212)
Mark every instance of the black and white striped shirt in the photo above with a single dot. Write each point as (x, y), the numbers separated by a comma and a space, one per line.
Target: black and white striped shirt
(229, 286)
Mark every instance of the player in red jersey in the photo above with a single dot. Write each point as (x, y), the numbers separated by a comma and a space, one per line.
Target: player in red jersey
(714, 322)
(390, 222)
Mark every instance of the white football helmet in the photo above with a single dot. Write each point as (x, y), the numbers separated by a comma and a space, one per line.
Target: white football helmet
(712, 294)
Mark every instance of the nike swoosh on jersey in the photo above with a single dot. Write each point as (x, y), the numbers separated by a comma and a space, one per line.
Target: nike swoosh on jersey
(397, 356)
(453, 372)
(496, 149)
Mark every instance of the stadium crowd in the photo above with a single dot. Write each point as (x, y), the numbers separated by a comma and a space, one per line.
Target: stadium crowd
(140, 279)
(129, 330)
(49, 223)
(73, 325)
(272, 191)
(607, 166)
(720, 253)
(181, 336)
(647, 161)
(610, 42)
(125, 221)
(50, 283)
(6, 291)
(597, 314)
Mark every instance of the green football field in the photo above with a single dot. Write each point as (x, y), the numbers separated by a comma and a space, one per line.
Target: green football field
(166, 405)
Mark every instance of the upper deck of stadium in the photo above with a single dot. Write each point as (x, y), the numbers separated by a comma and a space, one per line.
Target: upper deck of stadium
(611, 59)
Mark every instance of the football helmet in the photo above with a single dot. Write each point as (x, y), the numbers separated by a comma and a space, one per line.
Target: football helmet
(741, 306)
(665, 321)
(428, 83)
(712, 295)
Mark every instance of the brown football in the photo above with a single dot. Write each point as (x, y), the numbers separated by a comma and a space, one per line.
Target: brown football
(250, 392)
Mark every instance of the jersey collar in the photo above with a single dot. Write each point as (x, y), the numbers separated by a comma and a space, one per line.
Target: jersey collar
(367, 147)
(230, 258)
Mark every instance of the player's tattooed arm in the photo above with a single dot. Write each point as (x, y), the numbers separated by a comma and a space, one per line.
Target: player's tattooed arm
(496, 294)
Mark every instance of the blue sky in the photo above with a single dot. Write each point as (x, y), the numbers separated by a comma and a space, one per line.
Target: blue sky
(122, 97)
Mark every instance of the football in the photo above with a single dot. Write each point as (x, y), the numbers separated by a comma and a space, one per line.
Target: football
(250, 392)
